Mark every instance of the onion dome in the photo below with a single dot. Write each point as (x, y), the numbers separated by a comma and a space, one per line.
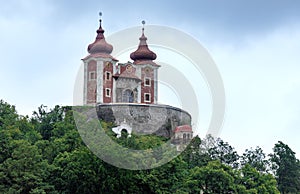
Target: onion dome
(143, 53)
(100, 45)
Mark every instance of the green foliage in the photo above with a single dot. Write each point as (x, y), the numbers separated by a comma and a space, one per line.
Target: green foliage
(255, 182)
(193, 154)
(25, 171)
(225, 153)
(212, 178)
(77, 172)
(256, 158)
(45, 154)
(217, 149)
(168, 178)
(8, 115)
(286, 167)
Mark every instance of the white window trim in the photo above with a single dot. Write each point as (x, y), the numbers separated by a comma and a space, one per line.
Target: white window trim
(145, 97)
(90, 75)
(145, 78)
(107, 89)
(106, 76)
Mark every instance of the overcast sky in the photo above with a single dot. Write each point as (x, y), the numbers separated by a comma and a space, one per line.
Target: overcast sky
(255, 44)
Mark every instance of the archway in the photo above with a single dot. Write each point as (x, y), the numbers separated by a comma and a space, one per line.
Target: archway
(128, 96)
(123, 129)
(124, 133)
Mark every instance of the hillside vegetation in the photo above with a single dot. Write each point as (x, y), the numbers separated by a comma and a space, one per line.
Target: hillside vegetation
(44, 153)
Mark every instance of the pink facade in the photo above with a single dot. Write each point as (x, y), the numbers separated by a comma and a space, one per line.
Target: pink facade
(107, 80)
(91, 82)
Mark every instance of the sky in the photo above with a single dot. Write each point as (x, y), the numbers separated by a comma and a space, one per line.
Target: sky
(255, 45)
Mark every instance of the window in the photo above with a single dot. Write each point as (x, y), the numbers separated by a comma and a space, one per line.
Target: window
(147, 81)
(92, 75)
(147, 97)
(107, 75)
(107, 92)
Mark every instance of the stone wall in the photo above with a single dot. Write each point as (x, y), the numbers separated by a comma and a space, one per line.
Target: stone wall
(145, 118)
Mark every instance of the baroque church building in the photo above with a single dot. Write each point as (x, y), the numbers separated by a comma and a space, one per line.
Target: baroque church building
(107, 81)
(126, 93)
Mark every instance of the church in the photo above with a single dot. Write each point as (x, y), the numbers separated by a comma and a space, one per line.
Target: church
(127, 93)
(107, 81)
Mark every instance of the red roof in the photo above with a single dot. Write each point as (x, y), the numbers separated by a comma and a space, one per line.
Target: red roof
(143, 53)
(100, 48)
(183, 128)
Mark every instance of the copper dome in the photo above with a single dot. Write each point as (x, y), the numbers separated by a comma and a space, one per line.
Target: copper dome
(100, 45)
(143, 53)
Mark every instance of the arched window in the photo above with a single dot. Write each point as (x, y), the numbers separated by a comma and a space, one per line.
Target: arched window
(128, 96)
(184, 136)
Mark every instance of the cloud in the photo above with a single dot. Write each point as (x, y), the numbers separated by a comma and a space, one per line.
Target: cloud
(262, 81)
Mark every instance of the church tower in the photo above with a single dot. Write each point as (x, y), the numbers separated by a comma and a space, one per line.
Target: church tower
(147, 69)
(99, 67)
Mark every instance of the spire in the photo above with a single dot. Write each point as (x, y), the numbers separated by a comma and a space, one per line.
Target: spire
(100, 45)
(100, 31)
(143, 53)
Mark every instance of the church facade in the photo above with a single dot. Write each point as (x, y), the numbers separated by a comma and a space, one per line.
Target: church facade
(107, 81)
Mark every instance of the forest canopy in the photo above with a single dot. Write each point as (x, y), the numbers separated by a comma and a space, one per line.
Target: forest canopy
(44, 153)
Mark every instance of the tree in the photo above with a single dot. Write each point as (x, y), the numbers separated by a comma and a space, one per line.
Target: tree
(250, 180)
(286, 167)
(193, 154)
(24, 171)
(45, 154)
(78, 171)
(168, 178)
(8, 115)
(213, 178)
(255, 158)
(45, 120)
(225, 153)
